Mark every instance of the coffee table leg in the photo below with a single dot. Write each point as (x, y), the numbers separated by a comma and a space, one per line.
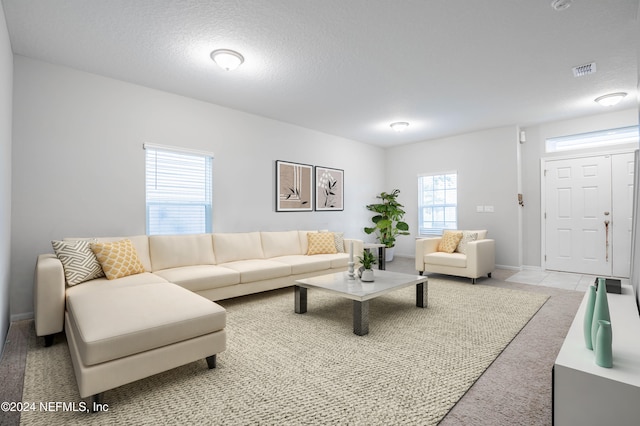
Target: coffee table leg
(361, 317)
(422, 295)
(301, 299)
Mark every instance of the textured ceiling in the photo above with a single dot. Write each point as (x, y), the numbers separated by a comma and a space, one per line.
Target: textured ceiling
(351, 67)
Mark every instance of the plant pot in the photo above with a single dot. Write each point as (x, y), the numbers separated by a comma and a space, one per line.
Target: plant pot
(367, 275)
(389, 254)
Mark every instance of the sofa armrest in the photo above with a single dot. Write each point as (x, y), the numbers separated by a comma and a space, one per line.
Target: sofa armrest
(481, 256)
(48, 295)
(425, 246)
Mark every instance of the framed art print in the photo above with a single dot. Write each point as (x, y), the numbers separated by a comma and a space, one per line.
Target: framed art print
(294, 186)
(329, 189)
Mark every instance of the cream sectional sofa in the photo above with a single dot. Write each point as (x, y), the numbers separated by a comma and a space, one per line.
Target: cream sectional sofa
(128, 328)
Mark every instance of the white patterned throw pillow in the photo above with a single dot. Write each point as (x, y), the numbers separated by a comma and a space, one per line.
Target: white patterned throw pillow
(78, 261)
(467, 237)
(339, 239)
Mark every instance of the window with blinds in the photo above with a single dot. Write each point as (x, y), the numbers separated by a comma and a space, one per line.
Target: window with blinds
(178, 191)
(437, 203)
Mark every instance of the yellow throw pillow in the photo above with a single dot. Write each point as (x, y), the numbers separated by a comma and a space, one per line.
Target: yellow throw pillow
(449, 241)
(321, 243)
(118, 259)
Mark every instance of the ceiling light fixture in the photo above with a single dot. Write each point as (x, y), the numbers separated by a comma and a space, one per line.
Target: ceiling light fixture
(560, 4)
(227, 59)
(611, 99)
(399, 126)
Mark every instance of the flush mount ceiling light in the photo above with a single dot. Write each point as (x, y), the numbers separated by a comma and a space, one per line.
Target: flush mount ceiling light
(611, 99)
(399, 126)
(227, 59)
(560, 4)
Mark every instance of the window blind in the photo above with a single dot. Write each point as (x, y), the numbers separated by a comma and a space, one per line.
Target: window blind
(178, 191)
(437, 203)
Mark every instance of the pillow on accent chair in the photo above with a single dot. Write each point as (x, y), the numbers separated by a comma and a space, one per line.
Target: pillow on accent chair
(78, 261)
(449, 241)
(321, 243)
(118, 259)
(467, 237)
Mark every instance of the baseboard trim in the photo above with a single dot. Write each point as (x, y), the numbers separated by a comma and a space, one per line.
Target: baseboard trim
(21, 317)
(404, 256)
(508, 267)
(532, 268)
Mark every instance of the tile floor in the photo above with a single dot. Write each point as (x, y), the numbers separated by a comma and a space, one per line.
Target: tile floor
(565, 280)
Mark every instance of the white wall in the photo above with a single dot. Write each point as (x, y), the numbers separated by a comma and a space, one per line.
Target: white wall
(78, 163)
(6, 89)
(533, 152)
(487, 176)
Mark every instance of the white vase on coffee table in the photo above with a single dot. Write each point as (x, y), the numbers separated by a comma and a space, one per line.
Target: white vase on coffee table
(367, 275)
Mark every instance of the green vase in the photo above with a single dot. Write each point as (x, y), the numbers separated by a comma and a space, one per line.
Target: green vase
(600, 310)
(588, 316)
(604, 352)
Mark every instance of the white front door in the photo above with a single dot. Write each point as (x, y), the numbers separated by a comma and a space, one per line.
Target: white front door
(588, 205)
(622, 169)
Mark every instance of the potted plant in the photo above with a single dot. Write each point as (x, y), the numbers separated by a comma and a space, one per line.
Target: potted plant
(388, 222)
(367, 260)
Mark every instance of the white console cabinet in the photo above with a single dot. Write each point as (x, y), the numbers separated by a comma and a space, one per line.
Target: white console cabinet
(586, 394)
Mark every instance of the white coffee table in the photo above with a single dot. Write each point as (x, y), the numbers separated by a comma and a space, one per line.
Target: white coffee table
(360, 292)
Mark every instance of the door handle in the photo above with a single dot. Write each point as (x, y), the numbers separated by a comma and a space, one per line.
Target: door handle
(606, 238)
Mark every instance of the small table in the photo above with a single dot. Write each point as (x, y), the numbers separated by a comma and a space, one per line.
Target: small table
(339, 284)
(382, 253)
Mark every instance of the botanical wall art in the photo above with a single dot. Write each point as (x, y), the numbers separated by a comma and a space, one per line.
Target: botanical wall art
(294, 185)
(329, 189)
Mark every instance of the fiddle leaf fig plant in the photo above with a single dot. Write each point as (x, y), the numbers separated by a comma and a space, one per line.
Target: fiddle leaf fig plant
(387, 223)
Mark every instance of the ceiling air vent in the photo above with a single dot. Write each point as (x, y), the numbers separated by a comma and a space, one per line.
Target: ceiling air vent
(585, 69)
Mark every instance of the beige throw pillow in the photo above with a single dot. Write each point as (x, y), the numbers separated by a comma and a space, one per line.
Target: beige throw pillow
(118, 259)
(321, 243)
(449, 241)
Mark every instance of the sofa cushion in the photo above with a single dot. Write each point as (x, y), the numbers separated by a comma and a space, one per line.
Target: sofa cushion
(258, 269)
(321, 243)
(174, 251)
(118, 259)
(123, 321)
(230, 247)
(338, 260)
(301, 264)
(276, 244)
(200, 277)
(78, 261)
(449, 241)
(456, 260)
(103, 283)
(467, 237)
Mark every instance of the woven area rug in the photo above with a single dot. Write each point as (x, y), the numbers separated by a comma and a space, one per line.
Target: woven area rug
(284, 368)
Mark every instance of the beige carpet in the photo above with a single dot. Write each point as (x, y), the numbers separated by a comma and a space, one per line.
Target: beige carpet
(284, 368)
